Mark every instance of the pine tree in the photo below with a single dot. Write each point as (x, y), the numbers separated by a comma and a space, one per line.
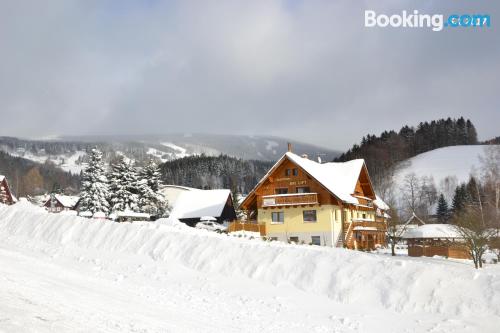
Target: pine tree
(442, 209)
(123, 184)
(94, 189)
(151, 200)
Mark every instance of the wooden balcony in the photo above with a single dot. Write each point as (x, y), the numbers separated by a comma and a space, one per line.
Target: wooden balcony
(367, 226)
(292, 199)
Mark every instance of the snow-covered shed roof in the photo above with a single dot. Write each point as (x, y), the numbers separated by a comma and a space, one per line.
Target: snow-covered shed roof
(198, 203)
(68, 201)
(433, 231)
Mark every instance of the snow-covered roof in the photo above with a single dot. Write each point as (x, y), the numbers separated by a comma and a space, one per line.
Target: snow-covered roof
(340, 178)
(178, 187)
(380, 203)
(99, 215)
(433, 231)
(67, 200)
(198, 203)
(132, 214)
(361, 228)
(2, 177)
(85, 213)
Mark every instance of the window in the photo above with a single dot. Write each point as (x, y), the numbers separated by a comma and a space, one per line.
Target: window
(315, 240)
(295, 172)
(294, 239)
(303, 189)
(281, 190)
(364, 216)
(309, 215)
(288, 172)
(277, 217)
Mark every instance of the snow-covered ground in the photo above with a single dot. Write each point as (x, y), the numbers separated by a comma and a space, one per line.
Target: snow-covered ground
(66, 273)
(455, 161)
(67, 162)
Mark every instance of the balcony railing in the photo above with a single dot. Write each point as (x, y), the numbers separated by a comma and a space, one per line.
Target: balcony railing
(292, 199)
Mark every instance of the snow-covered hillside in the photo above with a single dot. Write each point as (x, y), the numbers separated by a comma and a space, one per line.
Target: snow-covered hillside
(66, 273)
(456, 161)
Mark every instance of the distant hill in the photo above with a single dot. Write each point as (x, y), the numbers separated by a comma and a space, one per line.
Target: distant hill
(31, 178)
(455, 163)
(382, 153)
(69, 153)
(212, 172)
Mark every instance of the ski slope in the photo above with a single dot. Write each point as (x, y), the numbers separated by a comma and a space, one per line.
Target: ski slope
(454, 161)
(66, 273)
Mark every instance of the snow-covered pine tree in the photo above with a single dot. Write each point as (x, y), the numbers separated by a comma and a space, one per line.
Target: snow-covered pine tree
(124, 187)
(442, 209)
(151, 200)
(94, 189)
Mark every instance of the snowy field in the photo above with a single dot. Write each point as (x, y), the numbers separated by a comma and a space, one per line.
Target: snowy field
(67, 274)
(454, 161)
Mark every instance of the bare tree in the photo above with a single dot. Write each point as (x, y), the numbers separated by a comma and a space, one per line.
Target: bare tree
(490, 167)
(447, 186)
(411, 192)
(470, 225)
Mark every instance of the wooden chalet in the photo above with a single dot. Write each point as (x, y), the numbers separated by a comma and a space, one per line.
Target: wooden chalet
(430, 240)
(6, 196)
(332, 204)
(58, 203)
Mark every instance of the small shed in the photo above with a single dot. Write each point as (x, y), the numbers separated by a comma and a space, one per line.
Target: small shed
(58, 203)
(435, 240)
(129, 216)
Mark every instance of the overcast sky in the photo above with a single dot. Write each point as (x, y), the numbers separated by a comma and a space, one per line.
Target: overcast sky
(306, 70)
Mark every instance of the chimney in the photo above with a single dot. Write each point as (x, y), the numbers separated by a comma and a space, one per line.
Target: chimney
(289, 147)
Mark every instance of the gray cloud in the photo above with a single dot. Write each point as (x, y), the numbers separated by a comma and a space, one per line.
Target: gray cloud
(307, 70)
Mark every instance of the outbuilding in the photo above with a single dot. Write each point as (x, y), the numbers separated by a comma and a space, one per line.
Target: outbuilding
(436, 240)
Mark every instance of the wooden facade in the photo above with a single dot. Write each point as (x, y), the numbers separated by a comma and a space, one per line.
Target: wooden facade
(293, 205)
(430, 247)
(6, 196)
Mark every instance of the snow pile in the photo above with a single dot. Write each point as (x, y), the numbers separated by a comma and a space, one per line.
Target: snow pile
(365, 280)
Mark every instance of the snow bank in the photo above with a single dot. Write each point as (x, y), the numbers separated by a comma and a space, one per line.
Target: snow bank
(368, 280)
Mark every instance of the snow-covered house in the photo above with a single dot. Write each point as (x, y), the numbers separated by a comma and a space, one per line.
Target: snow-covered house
(435, 239)
(333, 204)
(6, 196)
(58, 203)
(192, 204)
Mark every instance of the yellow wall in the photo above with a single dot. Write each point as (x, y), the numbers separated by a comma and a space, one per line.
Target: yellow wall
(294, 224)
(294, 219)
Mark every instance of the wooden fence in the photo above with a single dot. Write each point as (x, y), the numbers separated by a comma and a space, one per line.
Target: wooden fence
(247, 226)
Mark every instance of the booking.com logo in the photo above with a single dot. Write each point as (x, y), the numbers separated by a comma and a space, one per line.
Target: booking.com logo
(416, 20)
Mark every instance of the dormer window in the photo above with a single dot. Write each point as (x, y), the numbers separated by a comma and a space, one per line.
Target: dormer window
(288, 172)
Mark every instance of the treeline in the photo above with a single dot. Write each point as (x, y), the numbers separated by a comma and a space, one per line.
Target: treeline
(211, 172)
(382, 152)
(28, 178)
